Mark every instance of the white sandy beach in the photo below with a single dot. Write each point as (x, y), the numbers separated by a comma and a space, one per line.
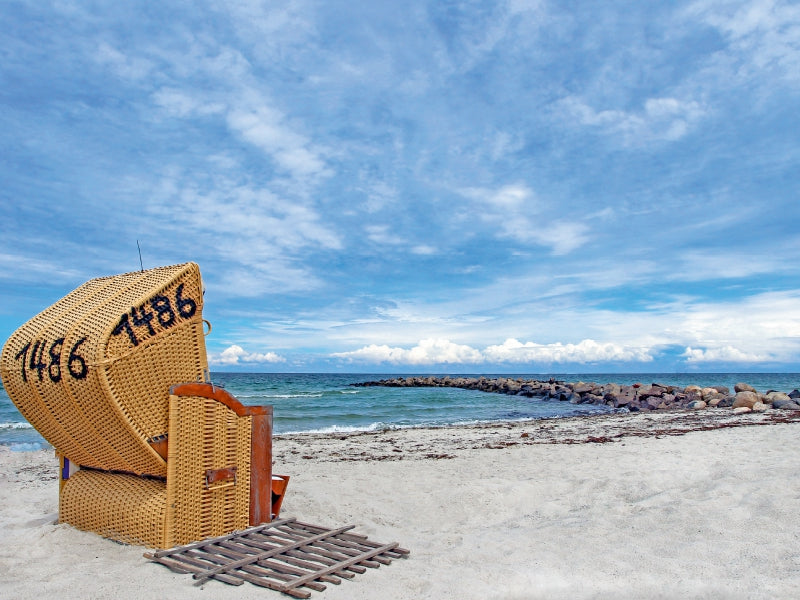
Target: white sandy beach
(525, 510)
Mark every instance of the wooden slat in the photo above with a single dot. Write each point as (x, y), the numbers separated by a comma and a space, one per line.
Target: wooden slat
(342, 564)
(268, 553)
(201, 543)
(283, 556)
(350, 536)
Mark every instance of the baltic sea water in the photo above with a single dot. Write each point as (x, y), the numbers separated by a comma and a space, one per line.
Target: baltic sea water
(326, 402)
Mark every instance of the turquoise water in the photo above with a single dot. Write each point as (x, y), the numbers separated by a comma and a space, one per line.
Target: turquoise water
(325, 402)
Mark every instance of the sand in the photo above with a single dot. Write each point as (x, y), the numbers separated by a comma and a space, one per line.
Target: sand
(693, 505)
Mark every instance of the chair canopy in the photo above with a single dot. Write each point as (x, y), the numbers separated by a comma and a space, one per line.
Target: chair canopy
(92, 372)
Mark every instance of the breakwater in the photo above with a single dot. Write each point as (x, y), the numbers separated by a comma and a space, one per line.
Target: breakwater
(635, 397)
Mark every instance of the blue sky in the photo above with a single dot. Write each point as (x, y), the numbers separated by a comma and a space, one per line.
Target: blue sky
(517, 186)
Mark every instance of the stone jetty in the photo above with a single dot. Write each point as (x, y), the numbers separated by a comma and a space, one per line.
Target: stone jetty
(636, 397)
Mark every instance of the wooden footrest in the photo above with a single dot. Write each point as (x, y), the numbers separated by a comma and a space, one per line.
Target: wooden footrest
(284, 555)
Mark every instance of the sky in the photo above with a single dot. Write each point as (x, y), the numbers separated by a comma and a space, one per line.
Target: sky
(445, 187)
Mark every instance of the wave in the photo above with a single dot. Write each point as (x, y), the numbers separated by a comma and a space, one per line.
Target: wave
(381, 425)
(16, 426)
(281, 396)
(378, 426)
(25, 446)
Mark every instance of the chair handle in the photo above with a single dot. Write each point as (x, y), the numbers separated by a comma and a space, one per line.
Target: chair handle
(224, 477)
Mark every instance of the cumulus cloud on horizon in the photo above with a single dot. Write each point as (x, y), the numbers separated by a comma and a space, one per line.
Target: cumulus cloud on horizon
(723, 354)
(443, 351)
(234, 355)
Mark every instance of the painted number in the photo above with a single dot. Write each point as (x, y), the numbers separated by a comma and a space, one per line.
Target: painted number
(33, 360)
(158, 308)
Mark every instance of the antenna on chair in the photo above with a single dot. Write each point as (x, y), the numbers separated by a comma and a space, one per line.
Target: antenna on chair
(141, 266)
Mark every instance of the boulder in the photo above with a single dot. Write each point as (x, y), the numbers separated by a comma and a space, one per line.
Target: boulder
(743, 387)
(760, 407)
(721, 389)
(745, 399)
(794, 394)
(789, 406)
(696, 404)
(583, 388)
(741, 410)
(773, 396)
(623, 400)
(693, 389)
(653, 402)
(593, 399)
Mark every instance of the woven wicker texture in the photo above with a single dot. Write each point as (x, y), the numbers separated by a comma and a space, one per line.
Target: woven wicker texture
(125, 508)
(92, 372)
(205, 435)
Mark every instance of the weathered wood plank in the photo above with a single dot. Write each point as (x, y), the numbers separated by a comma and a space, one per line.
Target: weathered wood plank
(284, 556)
(269, 553)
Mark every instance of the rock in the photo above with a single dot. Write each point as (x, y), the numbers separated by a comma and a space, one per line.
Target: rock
(789, 406)
(794, 394)
(582, 388)
(742, 410)
(725, 402)
(743, 387)
(709, 393)
(721, 389)
(653, 402)
(593, 399)
(759, 407)
(714, 402)
(696, 404)
(693, 389)
(745, 399)
(654, 391)
(773, 396)
(623, 400)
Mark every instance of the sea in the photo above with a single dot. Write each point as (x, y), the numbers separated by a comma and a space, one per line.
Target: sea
(328, 403)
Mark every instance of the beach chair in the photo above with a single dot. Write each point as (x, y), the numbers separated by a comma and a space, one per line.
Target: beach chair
(115, 376)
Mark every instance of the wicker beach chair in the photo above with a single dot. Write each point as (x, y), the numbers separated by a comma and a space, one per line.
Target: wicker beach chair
(146, 458)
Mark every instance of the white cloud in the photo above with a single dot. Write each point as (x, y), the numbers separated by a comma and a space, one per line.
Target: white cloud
(439, 351)
(267, 129)
(722, 354)
(23, 267)
(234, 355)
(659, 119)
(424, 250)
(428, 351)
(126, 66)
(585, 351)
(383, 234)
(182, 104)
(515, 212)
(260, 233)
(764, 36)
